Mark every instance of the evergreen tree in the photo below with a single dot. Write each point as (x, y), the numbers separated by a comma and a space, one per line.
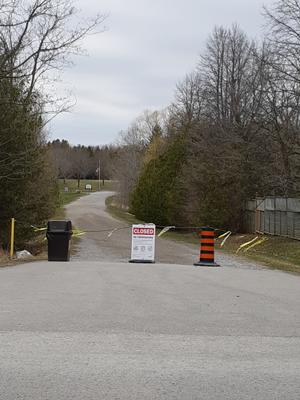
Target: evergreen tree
(155, 197)
(28, 185)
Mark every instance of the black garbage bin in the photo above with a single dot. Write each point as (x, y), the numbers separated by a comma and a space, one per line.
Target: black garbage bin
(59, 234)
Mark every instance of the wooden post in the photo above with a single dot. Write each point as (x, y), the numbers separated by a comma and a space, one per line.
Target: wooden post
(12, 238)
(99, 181)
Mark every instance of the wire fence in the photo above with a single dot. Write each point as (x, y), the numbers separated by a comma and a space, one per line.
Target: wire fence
(274, 215)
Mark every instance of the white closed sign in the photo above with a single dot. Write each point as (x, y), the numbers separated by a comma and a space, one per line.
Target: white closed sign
(143, 243)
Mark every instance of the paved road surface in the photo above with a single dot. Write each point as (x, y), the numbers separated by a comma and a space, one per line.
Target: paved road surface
(89, 330)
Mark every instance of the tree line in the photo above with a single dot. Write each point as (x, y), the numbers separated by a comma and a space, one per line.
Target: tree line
(231, 134)
(82, 162)
(36, 39)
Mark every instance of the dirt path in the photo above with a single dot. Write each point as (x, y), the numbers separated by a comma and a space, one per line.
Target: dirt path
(89, 213)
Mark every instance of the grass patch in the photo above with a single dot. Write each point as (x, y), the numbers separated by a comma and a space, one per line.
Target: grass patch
(181, 236)
(69, 197)
(276, 252)
(113, 207)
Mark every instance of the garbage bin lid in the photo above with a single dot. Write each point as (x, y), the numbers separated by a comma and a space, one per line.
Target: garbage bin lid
(59, 226)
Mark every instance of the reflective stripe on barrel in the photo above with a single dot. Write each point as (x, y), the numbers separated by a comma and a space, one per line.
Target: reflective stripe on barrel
(207, 257)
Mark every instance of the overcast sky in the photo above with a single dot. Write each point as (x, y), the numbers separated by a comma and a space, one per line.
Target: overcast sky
(149, 46)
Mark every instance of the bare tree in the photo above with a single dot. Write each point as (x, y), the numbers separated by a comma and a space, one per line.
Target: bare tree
(283, 94)
(80, 163)
(38, 36)
(188, 105)
(61, 158)
(281, 112)
(283, 24)
(139, 132)
(227, 69)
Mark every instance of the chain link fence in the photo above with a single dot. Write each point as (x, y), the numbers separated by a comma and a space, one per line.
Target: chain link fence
(274, 215)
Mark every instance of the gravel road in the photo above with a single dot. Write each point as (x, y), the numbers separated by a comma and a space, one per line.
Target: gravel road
(89, 213)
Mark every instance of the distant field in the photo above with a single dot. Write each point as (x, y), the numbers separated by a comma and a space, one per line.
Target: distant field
(72, 185)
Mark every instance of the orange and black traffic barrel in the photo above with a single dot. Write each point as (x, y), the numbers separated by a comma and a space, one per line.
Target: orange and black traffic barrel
(207, 248)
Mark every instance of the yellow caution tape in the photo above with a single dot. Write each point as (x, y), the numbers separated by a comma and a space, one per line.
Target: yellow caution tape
(38, 229)
(225, 236)
(112, 232)
(256, 244)
(166, 229)
(247, 244)
(78, 232)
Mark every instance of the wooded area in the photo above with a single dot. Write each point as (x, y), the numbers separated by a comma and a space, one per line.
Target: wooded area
(231, 134)
(82, 162)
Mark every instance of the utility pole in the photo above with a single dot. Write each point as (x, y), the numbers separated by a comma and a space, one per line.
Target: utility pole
(99, 181)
